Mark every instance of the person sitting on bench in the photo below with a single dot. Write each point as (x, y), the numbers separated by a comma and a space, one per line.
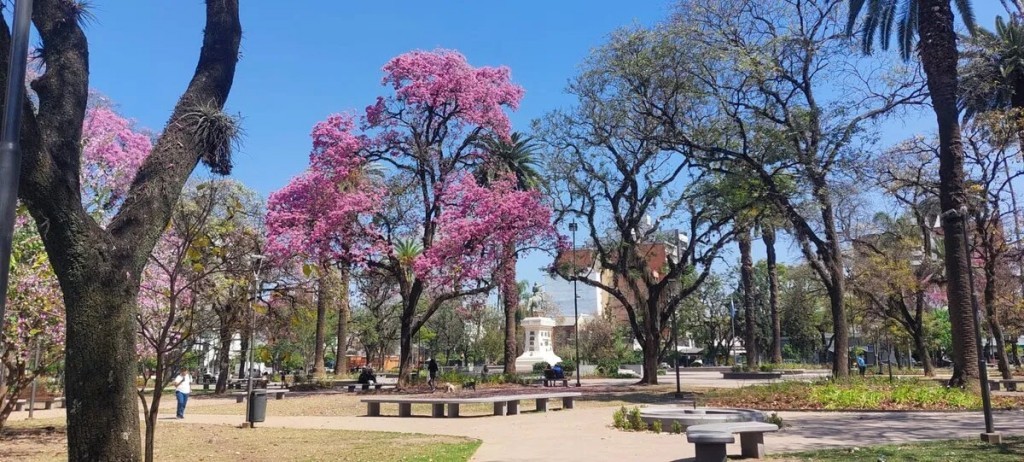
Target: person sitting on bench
(558, 372)
(367, 376)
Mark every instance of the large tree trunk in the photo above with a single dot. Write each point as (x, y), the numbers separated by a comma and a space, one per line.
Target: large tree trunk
(341, 357)
(224, 358)
(243, 354)
(103, 415)
(510, 298)
(747, 289)
(404, 352)
(920, 336)
(768, 236)
(326, 287)
(652, 346)
(992, 313)
(939, 57)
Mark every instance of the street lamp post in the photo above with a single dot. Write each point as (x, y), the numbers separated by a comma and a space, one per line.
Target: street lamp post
(680, 239)
(990, 434)
(257, 261)
(575, 302)
(10, 146)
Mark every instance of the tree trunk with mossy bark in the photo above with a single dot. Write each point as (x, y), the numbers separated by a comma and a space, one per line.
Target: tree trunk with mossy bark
(768, 236)
(99, 269)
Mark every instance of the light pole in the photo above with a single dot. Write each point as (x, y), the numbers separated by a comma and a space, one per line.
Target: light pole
(575, 302)
(990, 434)
(680, 240)
(257, 262)
(10, 145)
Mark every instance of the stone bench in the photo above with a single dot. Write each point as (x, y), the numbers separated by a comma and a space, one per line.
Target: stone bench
(1011, 384)
(278, 394)
(47, 403)
(503, 405)
(366, 386)
(710, 439)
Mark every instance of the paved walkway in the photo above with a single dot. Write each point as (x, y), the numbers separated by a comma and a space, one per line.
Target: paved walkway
(584, 434)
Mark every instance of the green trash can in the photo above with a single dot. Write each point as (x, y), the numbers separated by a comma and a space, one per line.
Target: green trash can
(257, 406)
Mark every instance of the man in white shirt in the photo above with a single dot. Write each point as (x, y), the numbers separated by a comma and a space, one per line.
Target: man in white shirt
(182, 388)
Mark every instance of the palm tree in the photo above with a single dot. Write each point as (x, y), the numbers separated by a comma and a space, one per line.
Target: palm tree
(992, 77)
(514, 156)
(937, 49)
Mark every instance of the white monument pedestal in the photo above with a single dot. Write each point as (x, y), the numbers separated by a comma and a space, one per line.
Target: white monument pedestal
(537, 344)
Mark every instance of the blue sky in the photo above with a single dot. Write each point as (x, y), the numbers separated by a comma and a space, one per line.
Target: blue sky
(303, 60)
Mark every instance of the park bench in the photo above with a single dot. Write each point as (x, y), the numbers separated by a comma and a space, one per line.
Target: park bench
(1010, 384)
(439, 404)
(278, 394)
(47, 403)
(710, 439)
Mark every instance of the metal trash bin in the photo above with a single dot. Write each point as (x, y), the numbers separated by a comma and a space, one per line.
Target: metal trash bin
(257, 406)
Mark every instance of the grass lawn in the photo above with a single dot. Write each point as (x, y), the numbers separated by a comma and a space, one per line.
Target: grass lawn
(45, 440)
(855, 394)
(1012, 450)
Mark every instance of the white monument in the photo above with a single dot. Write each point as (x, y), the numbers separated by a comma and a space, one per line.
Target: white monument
(537, 344)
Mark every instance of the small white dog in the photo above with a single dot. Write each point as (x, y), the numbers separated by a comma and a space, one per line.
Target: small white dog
(449, 388)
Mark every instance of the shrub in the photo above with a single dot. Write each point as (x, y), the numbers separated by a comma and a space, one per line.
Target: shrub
(635, 422)
(677, 428)
(619, 418)
(540, 367)
(656, 426)
(606, 367)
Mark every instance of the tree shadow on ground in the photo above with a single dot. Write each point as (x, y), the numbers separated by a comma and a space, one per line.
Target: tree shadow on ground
(688, 398)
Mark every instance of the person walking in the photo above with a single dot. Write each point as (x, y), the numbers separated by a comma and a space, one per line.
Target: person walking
(861, 365)
(182, 388)
(432, 370)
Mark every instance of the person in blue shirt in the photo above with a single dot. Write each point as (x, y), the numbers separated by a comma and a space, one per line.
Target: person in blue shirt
(861, 365)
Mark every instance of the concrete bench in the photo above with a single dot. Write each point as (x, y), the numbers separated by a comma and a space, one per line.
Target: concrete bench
(367, 386)
(278, 394)
(710, 439)
(502, 405)
(554, 382)
(47, 403)
(1011, 384)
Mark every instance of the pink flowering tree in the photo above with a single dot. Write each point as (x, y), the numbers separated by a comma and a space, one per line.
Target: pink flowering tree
(430, 227)
(112, 152)
(322, 218)
(33, 333)
(187, 260)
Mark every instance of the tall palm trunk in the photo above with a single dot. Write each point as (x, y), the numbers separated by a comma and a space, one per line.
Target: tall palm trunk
(768, 236)
(341, 357)
(939, 56)
(510, 298)
(747, 287)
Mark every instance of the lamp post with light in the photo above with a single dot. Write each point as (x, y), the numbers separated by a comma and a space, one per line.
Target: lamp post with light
(257, 263)
(575, 302)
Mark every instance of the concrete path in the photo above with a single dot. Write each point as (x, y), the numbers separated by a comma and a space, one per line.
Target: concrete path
(585, 435)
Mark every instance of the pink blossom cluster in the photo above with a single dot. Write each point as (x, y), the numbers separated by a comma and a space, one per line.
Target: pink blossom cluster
(112, 151)
(324, 212)
(477, 227)
(35, 307)
(166, 293)
(444, 83)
